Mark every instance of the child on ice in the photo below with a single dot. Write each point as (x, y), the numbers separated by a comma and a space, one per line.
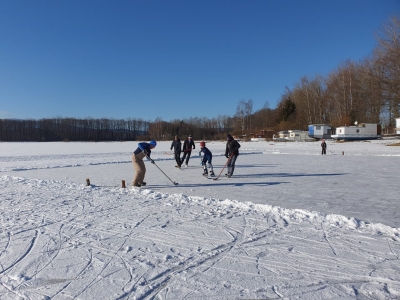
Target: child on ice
(206, 159)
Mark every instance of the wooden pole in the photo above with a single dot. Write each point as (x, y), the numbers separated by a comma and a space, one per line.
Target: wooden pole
(123, 184)
(87, 182)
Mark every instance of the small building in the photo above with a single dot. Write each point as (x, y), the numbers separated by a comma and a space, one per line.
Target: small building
(239, 137)
(292, 135)
(319, 131)
(299, 135)
(362, 131)
(262, 136)
(281, 136)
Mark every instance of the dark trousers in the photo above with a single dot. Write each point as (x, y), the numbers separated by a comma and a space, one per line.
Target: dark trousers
(178, 158)
(231, 164)
(187, 156)
(323, 151)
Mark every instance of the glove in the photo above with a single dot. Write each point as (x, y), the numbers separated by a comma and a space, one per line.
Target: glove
(227, 156)
(152, 161)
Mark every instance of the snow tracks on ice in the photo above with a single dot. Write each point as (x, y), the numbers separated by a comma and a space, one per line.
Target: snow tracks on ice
(63, 240)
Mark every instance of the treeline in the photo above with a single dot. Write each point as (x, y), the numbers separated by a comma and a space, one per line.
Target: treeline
(200, 128)
(70, 129)
(367, 91)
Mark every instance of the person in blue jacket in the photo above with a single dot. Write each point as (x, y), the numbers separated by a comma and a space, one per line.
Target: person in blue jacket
(206, 159)
(143, 150)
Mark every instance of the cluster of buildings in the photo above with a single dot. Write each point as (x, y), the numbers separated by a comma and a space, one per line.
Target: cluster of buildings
(360, 131)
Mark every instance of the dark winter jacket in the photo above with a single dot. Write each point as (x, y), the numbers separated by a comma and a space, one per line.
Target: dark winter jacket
(323, 145)
(177, 145)
(188, 145)
(232, 147)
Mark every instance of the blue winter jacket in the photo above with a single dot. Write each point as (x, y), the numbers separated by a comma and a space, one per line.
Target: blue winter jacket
(143, 146)
(207, 156)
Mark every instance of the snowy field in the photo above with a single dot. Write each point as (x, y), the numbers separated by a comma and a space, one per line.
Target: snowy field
(290, 223)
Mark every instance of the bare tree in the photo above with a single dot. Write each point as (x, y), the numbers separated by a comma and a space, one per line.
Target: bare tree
(387, 55)
(243, 115)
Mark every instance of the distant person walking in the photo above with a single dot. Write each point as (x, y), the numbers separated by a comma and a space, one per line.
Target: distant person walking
(143, 150)
(231, 152)
(323, 146)
(188, 146)
(177, 146)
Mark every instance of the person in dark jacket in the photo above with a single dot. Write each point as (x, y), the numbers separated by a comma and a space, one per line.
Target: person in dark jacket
(231, 152)
(206, 160)
(323, 146)
(188, 146)
(177, 146)
(143, 150)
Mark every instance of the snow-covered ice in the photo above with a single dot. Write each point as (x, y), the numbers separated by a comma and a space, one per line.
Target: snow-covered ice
(290, 223)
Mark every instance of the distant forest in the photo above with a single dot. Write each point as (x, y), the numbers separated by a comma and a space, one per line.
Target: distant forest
(366, 91)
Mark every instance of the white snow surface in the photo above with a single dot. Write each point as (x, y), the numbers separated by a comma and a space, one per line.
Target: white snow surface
(290, 223)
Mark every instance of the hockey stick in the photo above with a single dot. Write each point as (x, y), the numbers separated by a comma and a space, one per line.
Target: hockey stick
(223, 167)
(175, 183)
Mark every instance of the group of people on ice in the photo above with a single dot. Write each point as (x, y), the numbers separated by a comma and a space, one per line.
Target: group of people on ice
(188, 146)
(144, 150)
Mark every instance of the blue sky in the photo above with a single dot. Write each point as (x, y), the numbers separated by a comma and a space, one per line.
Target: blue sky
(172, 59)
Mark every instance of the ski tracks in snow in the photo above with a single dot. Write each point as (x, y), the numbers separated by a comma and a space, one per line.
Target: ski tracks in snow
(97, 242)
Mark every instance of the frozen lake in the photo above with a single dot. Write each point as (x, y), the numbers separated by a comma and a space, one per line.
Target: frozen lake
(290, 223)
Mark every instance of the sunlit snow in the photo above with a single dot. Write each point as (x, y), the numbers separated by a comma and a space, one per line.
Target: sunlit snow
(290, 223)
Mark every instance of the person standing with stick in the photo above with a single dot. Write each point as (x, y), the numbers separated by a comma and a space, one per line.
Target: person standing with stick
(323, 146)
(206, 160)
(231, 152)
(177, 146)
(143, 150)
(188, 146)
